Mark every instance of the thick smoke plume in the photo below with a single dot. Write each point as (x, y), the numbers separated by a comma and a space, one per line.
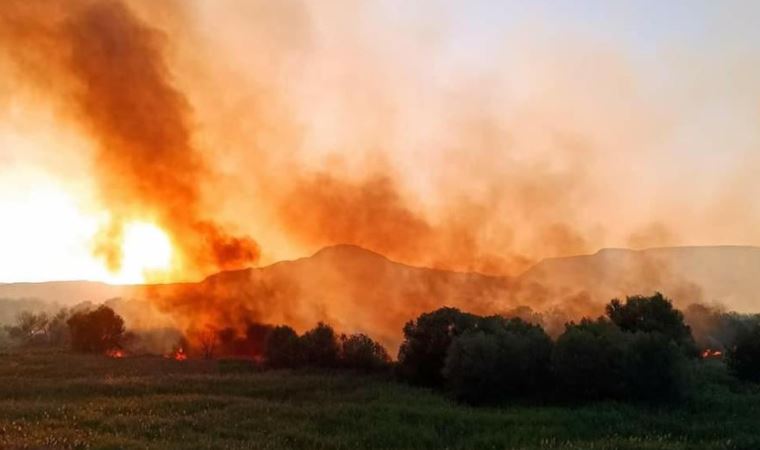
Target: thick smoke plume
(320, 123)
(108, 68)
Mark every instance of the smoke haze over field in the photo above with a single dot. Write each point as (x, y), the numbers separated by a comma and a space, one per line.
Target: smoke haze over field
(462, 136)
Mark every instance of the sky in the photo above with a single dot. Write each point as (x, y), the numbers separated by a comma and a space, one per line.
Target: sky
(473, 135)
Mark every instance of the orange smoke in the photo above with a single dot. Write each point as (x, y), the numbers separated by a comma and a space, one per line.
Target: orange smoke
(321, 210)
(472, 178)
(108, 69)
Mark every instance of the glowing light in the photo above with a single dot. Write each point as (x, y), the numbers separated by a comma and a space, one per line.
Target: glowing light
(115, 353)
(145, 249)
(710, 353)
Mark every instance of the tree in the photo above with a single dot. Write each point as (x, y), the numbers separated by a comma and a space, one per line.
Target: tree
(256, 336)
(498, 359)
(40, 329)
(652, 314)
(58, 330)
(426, 340)
(743, 357)
(283, 348)
(359, 351)
(249, 344)
(655, 368)
(320, 346)
(30, 328)
(588, 360)
(96, 331)
(207, 341)
(734, 326)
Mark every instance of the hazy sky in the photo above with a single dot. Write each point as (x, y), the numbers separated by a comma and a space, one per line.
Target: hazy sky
(541, 128)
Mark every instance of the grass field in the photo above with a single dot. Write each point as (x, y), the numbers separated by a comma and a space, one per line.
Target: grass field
(61, 400)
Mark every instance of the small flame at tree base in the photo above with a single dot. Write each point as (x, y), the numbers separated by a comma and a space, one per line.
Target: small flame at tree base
(710, 353)
(115, 353)
(179, 355)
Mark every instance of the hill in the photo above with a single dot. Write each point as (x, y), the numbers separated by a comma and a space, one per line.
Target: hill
(358, 290)
(727, 275)
(351, 288)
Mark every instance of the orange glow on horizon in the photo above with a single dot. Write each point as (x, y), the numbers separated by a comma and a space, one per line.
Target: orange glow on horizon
(146, 252)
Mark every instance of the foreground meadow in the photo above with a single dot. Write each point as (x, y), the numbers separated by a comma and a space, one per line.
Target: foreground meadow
(63, 400)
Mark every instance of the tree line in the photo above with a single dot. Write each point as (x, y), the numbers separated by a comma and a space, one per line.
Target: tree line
(641, 349)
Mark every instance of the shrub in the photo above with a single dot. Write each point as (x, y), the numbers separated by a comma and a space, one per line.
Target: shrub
(499, 358)
(96, 331)
(743, 357)
(283, 348)
(359, 351)
(735, 326)
(58, 329)
(426, 340)
(652, 314)
(251, 344)
(30, 328)
(256, 336)
(320, 346)
(40, 329)
(588, 360)
(655, 368)
(208, 340)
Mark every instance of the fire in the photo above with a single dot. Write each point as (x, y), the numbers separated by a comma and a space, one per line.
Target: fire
(710, 353)
(146, 249)
(179, 355)
(115, 353)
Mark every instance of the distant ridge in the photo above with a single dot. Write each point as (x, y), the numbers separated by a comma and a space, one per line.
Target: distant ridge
(726, 274)
(360, 290)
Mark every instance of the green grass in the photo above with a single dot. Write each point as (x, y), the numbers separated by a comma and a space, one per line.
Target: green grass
(61, 400)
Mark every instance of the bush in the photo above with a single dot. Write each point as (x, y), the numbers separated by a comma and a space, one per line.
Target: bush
(499, 358)
(360, 352)
(30, 328)
(655, 368)
(423, 353)
(251, 344)
(320, 346)
(283, 348)
(652, 314)
(96, 331)
(743, 357)
(588, 360)
(40, 329)
(735, 326)
(58, 330)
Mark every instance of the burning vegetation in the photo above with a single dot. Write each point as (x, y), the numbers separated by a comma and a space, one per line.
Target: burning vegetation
(178, 355)
(115, 353)
(710, 353)
(640, 350)
(108, 70)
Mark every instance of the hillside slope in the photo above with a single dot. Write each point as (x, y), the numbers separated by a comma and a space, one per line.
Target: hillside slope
(358, 290)
(728, 275)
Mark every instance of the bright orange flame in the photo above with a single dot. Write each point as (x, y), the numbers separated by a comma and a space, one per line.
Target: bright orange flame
(709, 353)
(146, 249)
(115, 353)
(179, 355)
